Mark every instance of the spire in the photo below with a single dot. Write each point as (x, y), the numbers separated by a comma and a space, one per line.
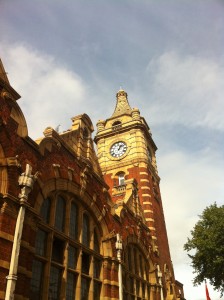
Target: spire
(3, 74)
(122, 106)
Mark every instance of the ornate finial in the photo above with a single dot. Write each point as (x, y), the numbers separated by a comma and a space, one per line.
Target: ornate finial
(3, 73)
(122, 106)
(57, 128)
(26, 181)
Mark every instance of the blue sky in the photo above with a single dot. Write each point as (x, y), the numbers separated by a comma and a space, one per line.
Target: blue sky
(70, 57)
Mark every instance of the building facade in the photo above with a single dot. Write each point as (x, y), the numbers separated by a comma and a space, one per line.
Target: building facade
(76, 224)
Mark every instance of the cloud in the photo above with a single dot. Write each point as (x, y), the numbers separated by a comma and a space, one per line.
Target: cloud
(184, 90)
(189, 184)
(187, 90)
(49, 91)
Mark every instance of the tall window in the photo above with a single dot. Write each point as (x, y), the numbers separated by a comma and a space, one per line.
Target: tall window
(73, 221)
(71, 286)
(36, 282)
(96, 242)
(40, 245)
(60, 214)
(136, 285)
(55, 283)
(45, 210)
(62, 257)
(121, 180)
(85, 230)
(116, 125)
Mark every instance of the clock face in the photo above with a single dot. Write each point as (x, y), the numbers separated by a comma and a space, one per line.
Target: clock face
(118, 149)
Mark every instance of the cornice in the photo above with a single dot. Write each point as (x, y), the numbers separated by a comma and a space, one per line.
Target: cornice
(106, 133)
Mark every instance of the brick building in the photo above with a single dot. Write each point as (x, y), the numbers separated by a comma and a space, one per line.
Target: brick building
(79, 225)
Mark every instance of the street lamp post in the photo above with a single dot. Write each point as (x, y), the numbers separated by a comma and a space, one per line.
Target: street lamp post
(119, 251)
(26, 181)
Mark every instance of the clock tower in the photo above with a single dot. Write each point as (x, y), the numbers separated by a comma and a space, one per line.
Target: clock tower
(126, 153)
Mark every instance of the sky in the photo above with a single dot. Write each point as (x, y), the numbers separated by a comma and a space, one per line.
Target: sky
(71, 57)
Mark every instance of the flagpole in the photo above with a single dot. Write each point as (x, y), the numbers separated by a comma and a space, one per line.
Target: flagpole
(206, 291)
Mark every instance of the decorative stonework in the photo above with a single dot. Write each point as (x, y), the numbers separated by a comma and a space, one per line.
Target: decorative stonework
(6, 95)
(84, 179)
(56, 168)
(122, 106)
(70, 173)
(26, 181)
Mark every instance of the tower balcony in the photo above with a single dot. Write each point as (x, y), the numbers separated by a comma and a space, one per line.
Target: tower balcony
(119, 189)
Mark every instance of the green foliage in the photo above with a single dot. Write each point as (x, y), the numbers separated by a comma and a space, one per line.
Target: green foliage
(207, 245)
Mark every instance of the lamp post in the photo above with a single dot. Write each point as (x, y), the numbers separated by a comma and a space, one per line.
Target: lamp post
(26, 181)
(118, 246)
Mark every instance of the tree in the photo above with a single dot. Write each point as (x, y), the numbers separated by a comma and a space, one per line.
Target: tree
(207, 244)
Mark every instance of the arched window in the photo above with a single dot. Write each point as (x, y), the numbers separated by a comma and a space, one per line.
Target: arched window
(96, 242)
(65, 255)
(97, 268)
(45, 210)
(60, 213)
(73, 221)
(136, 285)
(121, 179)
(116, 125)
(36, 280)
(85, 230)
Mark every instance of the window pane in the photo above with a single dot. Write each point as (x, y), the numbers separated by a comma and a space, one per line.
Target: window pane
(73, 221)
(121, 180)
(70, 287)
(85, 288)
(85, 230)
(136, 262)
(148, 292)
(146, 272)
(40, 245)
(36, 280)
(137, 287)
(85, 263)
(58, 250)
(96, 243)
(130, 267)
(72, 257)
(45, 210)
(141, 266)
(60, 214)
(143, 290)
(131, 285)
(55, 283)
(97, 288)
(97, 267)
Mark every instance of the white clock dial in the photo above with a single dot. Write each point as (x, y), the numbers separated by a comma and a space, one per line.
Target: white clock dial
(118, 149)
